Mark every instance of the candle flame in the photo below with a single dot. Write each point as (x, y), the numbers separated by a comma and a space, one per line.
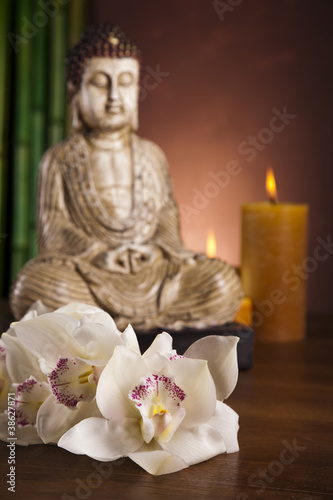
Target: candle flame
(211, 244)
(271, 186)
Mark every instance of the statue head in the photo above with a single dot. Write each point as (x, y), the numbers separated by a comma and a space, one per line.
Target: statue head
(102, 74)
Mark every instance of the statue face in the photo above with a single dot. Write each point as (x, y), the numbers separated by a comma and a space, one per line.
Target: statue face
(108, 96)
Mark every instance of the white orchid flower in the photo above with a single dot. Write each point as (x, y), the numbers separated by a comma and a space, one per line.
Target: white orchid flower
(22, 376)
(72, 345)
(25, 380)
(163, 412)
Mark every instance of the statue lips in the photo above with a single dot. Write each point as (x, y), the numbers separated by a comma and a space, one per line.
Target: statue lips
(114, 109)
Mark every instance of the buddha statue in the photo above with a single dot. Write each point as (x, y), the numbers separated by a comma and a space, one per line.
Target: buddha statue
(107, 222)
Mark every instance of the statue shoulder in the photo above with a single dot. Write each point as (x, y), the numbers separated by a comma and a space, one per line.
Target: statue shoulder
(60, 153)
(153, 150)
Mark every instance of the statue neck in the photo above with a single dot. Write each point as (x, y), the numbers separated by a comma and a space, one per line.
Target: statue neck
(114, 140)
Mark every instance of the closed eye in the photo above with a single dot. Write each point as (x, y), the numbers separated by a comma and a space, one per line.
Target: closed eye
(126, 79)
(99, 80)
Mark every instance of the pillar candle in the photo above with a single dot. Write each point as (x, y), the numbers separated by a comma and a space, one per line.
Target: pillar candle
(274, 240)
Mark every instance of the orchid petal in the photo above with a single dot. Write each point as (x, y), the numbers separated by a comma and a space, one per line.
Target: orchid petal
(24, 435)
(162, 344)
(194, 377)
(97, 340)
(158, 462)
(225, 419)
(130, 339)
(19, 361)
(27, 435)
(36, 309)
(49, 336)
(221, 354)
(5, 381)
(95, 314)
(157, 362)
(53, 420)
(119, 376)
(196, 444)
(105, 439)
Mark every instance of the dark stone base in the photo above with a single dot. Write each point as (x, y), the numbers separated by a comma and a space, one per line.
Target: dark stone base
(182, 339)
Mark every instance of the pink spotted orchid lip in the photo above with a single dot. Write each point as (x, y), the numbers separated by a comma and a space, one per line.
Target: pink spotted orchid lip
(176, 356)
(155, 384)
(22, 390)
(73, 381)
(158, 399)
(29, 397)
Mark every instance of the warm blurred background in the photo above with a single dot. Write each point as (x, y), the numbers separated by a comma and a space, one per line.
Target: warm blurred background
(215, 73)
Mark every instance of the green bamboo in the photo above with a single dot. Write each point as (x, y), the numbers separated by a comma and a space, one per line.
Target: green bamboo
(4, 133)
(57, 97)
(21, 136)
(77, 22)
(38, 124)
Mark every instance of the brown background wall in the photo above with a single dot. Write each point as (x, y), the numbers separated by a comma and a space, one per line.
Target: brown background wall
(222, 77)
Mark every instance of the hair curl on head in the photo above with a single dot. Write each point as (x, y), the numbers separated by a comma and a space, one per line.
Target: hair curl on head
(100, 40)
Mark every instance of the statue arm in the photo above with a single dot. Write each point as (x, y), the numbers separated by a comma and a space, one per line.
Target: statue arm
(56, 232)
(167, 235)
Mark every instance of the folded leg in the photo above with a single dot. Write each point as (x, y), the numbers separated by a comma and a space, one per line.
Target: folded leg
(54, 281)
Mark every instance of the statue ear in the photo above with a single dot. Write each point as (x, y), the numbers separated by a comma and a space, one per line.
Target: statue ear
(135, 119)
(75, 109)
(135, 114)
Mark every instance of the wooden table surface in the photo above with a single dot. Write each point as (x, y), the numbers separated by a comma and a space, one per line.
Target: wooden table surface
(285, 405)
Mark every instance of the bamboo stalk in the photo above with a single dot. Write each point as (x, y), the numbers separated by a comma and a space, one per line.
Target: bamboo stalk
(57, 97)
(77, 23)
(21, 137)
(4, 134)
(38, 126)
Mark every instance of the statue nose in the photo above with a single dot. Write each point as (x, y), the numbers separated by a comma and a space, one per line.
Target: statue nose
(113, 92)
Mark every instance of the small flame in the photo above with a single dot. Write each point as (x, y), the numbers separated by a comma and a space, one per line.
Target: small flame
(271, 186)
(211, 244)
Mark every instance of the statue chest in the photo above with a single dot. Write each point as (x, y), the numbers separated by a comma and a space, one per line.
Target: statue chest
(116, 197)
(112, 175)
